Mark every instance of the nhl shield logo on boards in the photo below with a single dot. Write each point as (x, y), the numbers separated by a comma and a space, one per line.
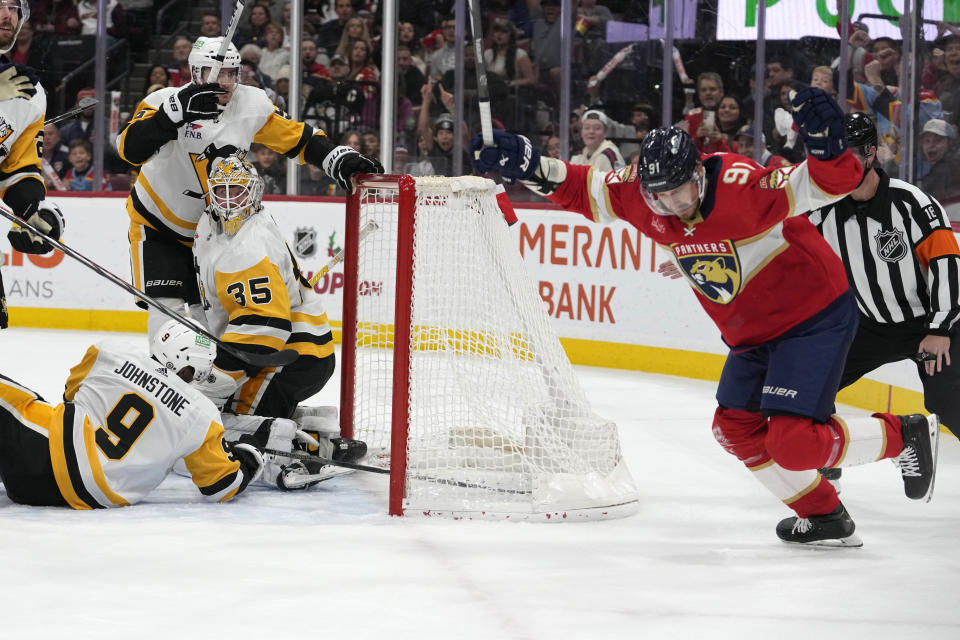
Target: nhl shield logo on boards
(712, 267)
(891, 247)
(305, 242)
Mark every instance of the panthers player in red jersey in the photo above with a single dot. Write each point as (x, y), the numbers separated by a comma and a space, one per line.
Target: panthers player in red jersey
(176, 137)
(731, 227)
(23, 104)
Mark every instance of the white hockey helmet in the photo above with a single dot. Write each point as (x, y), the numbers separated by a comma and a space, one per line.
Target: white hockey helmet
(23, 11)
(235, 192)
(204, 53)
(176, 346)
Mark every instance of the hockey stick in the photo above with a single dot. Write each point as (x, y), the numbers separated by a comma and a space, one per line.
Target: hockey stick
(368, 228)
(83, 105)
(276, 359)
(483, 92)
(225, 45)
(306, 457)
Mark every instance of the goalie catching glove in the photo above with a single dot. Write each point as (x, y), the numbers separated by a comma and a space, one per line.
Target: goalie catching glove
(194, 102)
(46, 217)
(820, 121)
(17, 81)
(343, 162)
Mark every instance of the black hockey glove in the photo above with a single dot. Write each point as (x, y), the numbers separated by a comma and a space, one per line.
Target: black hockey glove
(514, 156)
(250, 459)
(820, 121)
(194, 102)
(17, 81)
(342, 163)
(46, 217)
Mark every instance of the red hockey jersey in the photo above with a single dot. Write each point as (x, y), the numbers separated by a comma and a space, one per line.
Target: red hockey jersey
(756, 267)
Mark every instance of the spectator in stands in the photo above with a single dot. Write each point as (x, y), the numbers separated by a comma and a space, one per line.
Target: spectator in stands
(308, 60)
(779, 70)
(371, 144)
(157, 75)
(887, 52)
(410, 78)
(444, 59)
(407, 36)
(179, 71)
(351, 138)
(552, 148)
(329, 33)
(545, 43)
(362, 68)
(436, 143)
(642, 118)
(355, 29)
(210, 26)
(253, 32)
(59, 17)
(266, 161)
(822, 78)
(314, 182)
(730, 118)
(506, 60)
(39, 51)
(744, 146)
(935, 141)
(82, 127)
(592, 20)
(79, 177)
(598, 152)
(281, 84)
(273, 56)
(701, 121)
(87, 11)
(55, 154)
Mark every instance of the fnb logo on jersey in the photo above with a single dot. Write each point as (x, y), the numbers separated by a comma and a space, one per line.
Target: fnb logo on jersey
(712, 267)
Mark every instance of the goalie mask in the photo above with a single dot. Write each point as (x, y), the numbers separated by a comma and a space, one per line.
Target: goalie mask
(204, 54)
(671, 174)
(22, 7)
(235, 193)
(176, 347)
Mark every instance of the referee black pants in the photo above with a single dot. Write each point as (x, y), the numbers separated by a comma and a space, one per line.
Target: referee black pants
(877, 344)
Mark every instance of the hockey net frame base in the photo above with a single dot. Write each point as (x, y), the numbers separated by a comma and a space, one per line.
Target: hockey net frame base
(450, 358)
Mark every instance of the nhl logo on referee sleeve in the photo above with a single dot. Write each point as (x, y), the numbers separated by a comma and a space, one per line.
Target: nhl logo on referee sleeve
(891, 246)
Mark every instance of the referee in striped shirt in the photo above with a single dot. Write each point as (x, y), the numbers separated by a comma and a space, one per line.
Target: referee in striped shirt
(903, 263)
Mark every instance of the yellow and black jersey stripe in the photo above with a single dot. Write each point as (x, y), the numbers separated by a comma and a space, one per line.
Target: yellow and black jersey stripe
(218, 476)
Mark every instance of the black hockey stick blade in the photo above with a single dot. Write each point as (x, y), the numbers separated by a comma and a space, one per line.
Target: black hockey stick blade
(83, 105)
(274, 359)
(302, 455)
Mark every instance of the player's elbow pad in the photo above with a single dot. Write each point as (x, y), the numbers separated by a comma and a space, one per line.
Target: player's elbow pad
(548, 176)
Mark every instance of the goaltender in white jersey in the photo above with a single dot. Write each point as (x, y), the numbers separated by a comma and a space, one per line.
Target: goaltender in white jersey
(176, 136)
(125, 421)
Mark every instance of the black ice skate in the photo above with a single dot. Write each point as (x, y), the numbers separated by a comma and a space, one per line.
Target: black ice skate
(918, 460)
(834, 529)
(305, 474)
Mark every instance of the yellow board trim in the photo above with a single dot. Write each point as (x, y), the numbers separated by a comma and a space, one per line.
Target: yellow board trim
(865, 394)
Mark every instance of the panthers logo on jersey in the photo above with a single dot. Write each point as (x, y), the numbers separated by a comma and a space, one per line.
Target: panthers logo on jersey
(712, 267)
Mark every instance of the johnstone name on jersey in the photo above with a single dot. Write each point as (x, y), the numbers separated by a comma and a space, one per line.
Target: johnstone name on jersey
(152, 384)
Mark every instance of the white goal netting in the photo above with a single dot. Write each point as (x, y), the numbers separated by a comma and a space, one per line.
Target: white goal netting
(498, 423)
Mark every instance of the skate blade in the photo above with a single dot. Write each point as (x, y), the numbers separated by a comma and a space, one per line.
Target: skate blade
(852, 540)
(306, 481)
(933, 430)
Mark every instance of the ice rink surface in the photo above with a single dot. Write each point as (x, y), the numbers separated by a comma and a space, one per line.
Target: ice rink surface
(699, 560)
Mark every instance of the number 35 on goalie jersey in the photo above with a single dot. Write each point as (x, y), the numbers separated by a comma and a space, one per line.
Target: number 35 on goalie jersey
(254, 293)
(123, 426)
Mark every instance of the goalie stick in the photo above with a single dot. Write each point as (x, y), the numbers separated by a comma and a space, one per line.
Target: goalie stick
(228, 36)
(83, 105)
(275, 359)
(368, 228)
(307, 457)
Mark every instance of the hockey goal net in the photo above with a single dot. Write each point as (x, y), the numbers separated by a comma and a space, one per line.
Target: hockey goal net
(452, 373)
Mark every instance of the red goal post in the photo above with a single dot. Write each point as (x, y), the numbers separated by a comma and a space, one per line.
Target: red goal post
(451, 370)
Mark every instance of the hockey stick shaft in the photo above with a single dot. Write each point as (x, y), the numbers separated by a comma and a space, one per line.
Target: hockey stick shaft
(225, 45)
(367, 229)
(83, 105)
(483, 91)
(306, 457)
(275, 359)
